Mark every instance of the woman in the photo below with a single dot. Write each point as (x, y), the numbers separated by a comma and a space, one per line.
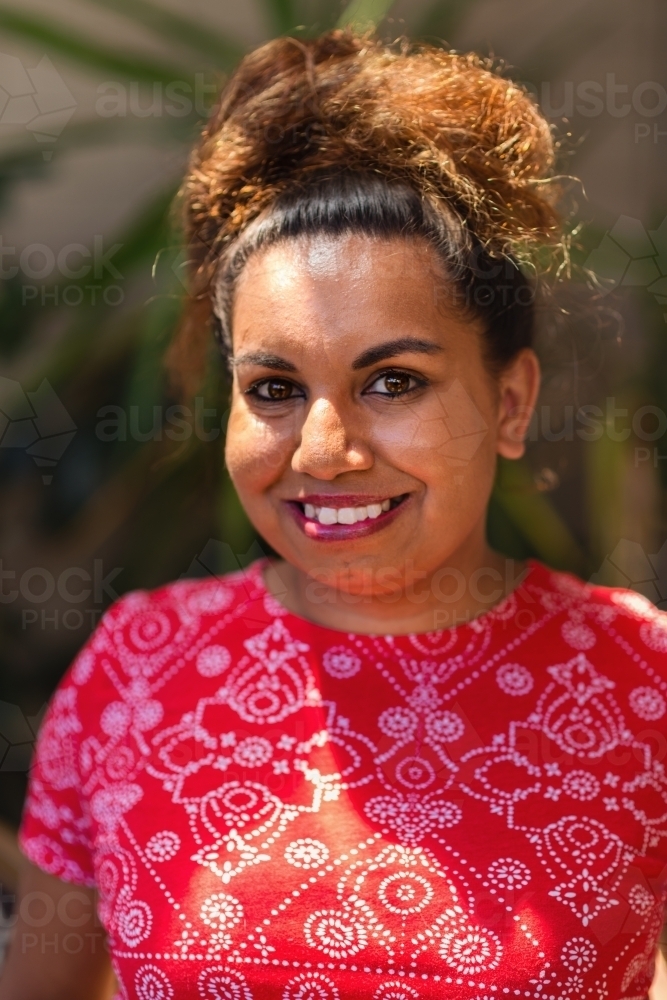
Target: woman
(389, 763)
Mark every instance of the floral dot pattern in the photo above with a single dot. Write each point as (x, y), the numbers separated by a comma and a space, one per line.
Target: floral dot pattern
(271, 810)
(163, 846)
(221, 911)
(578, 635)
(335, 933)
(445, 727)
(514, 679)
(253, 751)
(581, 785)
(151, 983)
(640, 899)
(307, 853)
(579, 954)
(647, 703)
(213, 660)
(218, 983)
(341, 662)
(508, 873)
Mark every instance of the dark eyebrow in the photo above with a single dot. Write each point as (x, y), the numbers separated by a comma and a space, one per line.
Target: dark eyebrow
(393, 347)
(265, 361)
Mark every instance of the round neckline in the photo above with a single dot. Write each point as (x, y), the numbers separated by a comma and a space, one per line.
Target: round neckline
(533, 568)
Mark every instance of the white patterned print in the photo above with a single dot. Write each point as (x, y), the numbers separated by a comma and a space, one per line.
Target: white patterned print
(307, 853)
(133, 921)
(221, 911)
(647, 703)
(336, 933)
(219, 983)
(641, 900)
(150, 630)
(581, 785)
(458, 812)
(163, 846)
(213, 660)
(508, 873)
(445, 727)
(578, 954)
(412, 818)
(399, 723)
(578, 635)
(253, 751)
(514, 679)
(469, 951)
(396, 990)
(311, 986)
(151, 983)
(405, 892)
(654, 634)
(83, 667)
(341, 662)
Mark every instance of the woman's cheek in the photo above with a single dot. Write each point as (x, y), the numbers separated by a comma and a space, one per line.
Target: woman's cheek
(256, 452)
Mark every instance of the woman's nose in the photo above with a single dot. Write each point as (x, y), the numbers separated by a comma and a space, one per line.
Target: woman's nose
(327, 448)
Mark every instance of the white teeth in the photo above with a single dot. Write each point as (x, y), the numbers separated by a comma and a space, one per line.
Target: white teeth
(345, 515)
(327, 515)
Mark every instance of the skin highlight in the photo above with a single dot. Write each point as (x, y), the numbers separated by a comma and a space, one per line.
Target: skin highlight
(354, 378)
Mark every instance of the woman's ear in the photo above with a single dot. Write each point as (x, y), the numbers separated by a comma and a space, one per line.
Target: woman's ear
(519, 386)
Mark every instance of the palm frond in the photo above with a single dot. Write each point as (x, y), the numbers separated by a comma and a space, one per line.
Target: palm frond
(85, 51)
(363, 14)
(175, 28)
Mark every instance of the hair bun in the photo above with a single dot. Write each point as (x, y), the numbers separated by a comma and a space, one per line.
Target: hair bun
(443, 123)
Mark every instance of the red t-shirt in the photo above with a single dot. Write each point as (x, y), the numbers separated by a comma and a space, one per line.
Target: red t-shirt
(279, 811)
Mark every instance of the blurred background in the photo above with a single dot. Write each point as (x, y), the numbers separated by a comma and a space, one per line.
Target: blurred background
(108, 482)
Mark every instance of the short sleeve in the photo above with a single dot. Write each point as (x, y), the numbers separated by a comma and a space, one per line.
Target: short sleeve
(56, 831)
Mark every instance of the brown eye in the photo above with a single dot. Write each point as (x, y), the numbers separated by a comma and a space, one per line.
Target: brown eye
(395, 384)
(275, 389)
(278, 390)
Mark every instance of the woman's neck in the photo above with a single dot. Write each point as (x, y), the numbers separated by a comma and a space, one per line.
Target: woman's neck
(471, 582)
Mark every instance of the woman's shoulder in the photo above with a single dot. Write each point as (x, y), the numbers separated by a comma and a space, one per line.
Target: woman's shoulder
(147, 632)
(634, 622)
(190, 598)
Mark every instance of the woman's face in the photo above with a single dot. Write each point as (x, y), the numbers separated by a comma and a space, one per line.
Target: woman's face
(365, 426)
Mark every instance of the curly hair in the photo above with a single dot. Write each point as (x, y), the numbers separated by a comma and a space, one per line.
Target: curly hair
(307, 129)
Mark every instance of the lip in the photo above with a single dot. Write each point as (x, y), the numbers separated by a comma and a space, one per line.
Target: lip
(342, 532)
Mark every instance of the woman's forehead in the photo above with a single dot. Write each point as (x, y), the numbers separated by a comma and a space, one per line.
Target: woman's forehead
(347, 290)
(353, 257)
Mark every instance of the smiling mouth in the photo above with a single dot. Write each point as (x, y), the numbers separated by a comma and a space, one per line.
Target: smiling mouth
(328, 515)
